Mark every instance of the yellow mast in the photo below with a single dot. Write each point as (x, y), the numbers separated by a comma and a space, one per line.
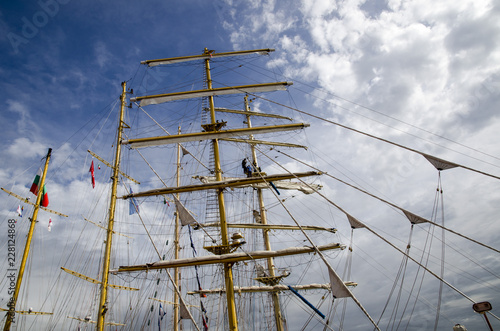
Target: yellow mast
(228, 272)
(265, 232)
(13, 300)
(176, 242)
(102, 309)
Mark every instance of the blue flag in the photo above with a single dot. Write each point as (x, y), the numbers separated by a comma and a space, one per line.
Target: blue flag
(133, 206)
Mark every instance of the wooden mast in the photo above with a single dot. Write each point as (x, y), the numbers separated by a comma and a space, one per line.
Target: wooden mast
(228, 272)
(176, 241)
(103, 308)
(13, 300)
(265, 232)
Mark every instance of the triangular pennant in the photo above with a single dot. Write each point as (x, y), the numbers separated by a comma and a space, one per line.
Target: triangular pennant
(184, 151)
(339, 290)
(184, 311)
(184, 215)
(414, 219)
(355, 224)
(440, 164)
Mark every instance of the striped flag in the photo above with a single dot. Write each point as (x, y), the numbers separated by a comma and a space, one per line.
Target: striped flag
(36, 186)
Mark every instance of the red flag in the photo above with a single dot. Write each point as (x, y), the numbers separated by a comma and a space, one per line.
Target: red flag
(91, 170)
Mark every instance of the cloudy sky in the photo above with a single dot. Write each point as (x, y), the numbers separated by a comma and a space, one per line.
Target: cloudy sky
(423, 74)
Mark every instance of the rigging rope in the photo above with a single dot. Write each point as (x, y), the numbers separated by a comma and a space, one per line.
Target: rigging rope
(401, 270)
(439, 199)
(347, 275)
(362, 225)
(379, 138)
(184, 149)
(204, 315)
(163, 182)
(389, 203)
(320, 254)
(373, 110)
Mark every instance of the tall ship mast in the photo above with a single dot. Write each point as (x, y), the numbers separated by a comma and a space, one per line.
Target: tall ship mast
(214, 131)
(16, 276)
(207, 207)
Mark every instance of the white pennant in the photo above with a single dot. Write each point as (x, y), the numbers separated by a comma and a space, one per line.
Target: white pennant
(184, 215)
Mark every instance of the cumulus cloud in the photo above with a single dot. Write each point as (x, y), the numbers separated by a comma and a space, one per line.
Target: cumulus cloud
(409, 71)
(24, 123)
(26, 148)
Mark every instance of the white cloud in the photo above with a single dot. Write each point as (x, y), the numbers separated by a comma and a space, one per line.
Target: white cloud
(103, 56)
(25, 125)
(26, 148)
(426, 65)
(401, 58)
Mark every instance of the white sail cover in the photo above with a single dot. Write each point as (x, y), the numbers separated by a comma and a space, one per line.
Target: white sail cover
(355, 224)
(184, 151)
(285, 185)
(181, 138)
(339, 290)
(185, 217)
(210, 54)
(161, 98)
(183, 310)
(440, 164)
(415, 219)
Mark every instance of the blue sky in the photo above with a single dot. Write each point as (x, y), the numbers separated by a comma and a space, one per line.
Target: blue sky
(424, 74)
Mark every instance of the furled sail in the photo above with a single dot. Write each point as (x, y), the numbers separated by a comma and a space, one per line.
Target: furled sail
(208, 54)
(304, 188)
(180, 138)
(161, 98)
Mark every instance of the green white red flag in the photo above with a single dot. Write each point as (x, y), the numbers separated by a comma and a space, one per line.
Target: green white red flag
(36, 186)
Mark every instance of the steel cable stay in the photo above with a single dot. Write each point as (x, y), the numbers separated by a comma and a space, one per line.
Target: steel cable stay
(347, 275)
(434, 223)
(413, 285)
(159, 125)
(386, 140)
(358, 224)
(439, 207)
(398, 300)
(401, 271)
(375, 111)
(428, 241)
(322, 300)
(330, 269)
(307, 309)
(413, 218)
(163, 182)
(411, 291)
